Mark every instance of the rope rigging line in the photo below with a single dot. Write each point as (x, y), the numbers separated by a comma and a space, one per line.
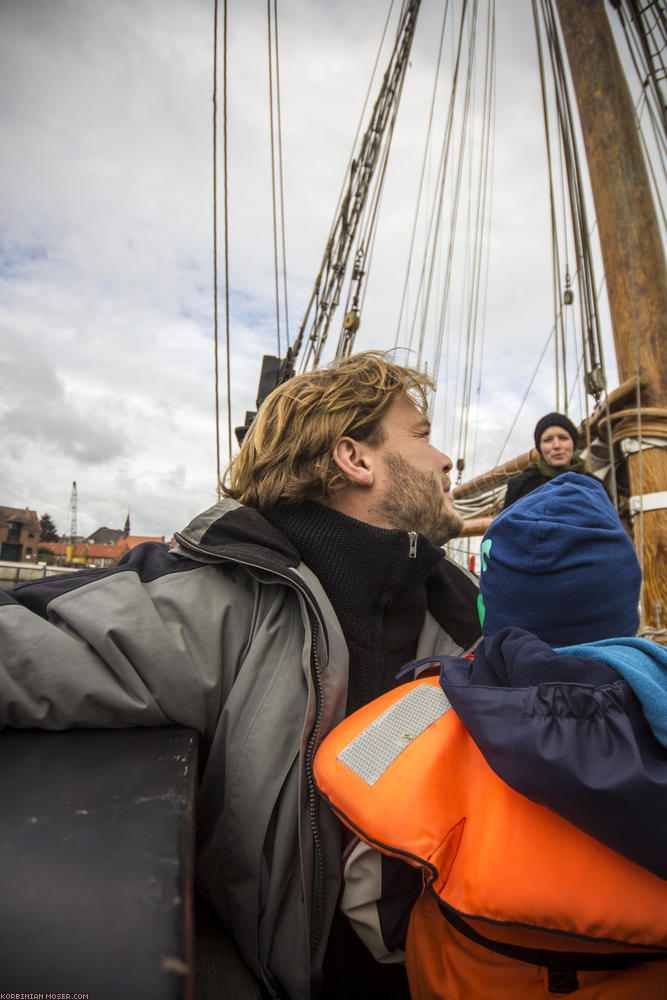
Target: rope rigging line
(646, 37)
(215, 248)
(638, 405)
(638, 422)
(444, 297)
(657, 188)
(226, 205)
(273, 173)
(525, 395)
(328, 285)
(465, 381)
(280, 176)
(476, 261)
(626, 423)
(650, 69)
(366, 242)
(427, 143)
(215, 245)
(462, 147)
(555, 251)
(435, 215)
(465, 131)
(339, 219)
(592, 347)
(570, 182)
(476, 268)
(484, 286)
(590, 325)
(592, 344)
(345, 184)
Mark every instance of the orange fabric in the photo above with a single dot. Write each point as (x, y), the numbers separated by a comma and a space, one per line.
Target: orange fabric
(489, 852)
(445, 965)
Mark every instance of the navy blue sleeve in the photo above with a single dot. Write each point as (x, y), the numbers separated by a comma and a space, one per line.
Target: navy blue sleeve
(582, 749)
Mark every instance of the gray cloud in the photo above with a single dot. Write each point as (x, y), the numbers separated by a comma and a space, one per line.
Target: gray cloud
(106, 295)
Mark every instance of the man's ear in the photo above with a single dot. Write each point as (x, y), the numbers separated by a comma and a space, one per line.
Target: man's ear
(352, 458)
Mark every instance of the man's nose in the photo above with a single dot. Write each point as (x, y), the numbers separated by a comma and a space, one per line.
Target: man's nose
(447, 462)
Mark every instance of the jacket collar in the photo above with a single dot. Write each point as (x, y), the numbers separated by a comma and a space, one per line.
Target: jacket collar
(229, 531)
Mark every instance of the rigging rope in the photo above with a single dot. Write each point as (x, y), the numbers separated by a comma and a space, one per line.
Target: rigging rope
(215, 243)
(466, 381)
(226, 189)
(650, 68)
(365, 243)
(477, 251)
(465, 133)
(273, 174)
(580, 230)
(436, 213)
(427, 143)
(280, 161)
(340, 212)
(592, 347)
(273, 55)
(328, 284)
(557, 297)
(525, 395)
(648, 50)
(215, 246)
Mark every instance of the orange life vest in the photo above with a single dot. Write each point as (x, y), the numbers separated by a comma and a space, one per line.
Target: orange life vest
(518, 902)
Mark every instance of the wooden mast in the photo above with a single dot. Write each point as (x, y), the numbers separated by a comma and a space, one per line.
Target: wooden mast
(634, 263)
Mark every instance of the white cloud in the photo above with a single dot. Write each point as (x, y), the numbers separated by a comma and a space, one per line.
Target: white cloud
(106, 236)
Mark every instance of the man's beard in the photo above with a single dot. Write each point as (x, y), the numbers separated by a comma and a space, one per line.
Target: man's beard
(415, 501)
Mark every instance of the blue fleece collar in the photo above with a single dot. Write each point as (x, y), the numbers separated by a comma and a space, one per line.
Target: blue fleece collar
(643, 664)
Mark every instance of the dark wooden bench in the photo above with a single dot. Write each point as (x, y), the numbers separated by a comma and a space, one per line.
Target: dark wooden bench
(96, 862)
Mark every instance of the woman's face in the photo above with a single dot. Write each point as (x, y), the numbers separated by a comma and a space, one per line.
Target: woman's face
(557, 447)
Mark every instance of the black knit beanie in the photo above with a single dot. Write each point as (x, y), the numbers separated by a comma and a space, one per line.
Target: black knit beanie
(555, 420)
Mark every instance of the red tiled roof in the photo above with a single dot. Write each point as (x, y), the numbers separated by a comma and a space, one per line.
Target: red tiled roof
(92, 551)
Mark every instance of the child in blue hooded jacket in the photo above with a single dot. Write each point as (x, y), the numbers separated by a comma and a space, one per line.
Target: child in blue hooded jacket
(559, 593)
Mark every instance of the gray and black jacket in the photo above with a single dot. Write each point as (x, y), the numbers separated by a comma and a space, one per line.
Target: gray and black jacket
(231, 634)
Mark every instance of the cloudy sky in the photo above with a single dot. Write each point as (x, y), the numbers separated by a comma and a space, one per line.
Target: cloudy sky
(106, 273)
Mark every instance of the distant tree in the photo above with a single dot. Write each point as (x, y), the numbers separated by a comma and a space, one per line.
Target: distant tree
(48, 529)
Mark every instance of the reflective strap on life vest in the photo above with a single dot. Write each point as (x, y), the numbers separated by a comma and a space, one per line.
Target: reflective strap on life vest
(379, 744)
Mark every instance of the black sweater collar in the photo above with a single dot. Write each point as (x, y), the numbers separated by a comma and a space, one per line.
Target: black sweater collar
(375, 580)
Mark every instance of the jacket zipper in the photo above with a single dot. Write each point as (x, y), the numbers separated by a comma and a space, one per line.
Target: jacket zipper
(412, 535)
(317, 915)
(311, 747)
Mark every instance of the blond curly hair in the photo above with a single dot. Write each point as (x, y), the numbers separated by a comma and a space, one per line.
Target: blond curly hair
(287, 454)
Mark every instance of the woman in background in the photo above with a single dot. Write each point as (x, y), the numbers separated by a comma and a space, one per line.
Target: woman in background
(556, 440)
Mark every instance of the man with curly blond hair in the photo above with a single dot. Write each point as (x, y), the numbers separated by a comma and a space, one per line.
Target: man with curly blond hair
(282, 608)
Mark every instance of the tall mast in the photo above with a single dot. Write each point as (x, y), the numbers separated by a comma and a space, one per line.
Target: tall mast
(635, 269)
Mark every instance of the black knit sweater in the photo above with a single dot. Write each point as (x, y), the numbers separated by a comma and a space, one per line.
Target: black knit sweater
(376, 587)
